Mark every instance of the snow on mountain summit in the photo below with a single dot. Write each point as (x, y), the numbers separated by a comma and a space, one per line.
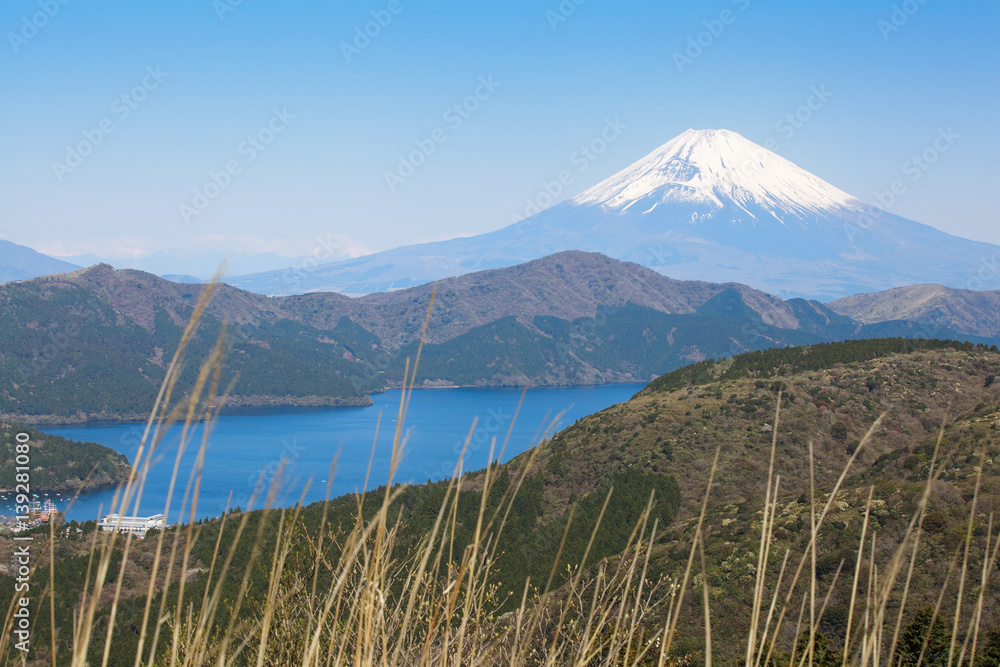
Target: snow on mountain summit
(719, 169)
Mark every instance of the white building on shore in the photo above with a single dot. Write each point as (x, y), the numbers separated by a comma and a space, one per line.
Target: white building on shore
(137, 525)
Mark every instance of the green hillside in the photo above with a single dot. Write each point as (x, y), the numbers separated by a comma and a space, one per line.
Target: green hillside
(58, 464)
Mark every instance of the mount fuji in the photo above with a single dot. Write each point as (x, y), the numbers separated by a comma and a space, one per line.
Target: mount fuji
(707, 205)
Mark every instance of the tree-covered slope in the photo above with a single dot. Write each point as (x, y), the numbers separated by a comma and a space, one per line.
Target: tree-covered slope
(95, 344)
(57, 463)
(70, 355)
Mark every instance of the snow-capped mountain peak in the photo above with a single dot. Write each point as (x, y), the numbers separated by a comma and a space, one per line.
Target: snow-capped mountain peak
(723, 170)
(707, 205)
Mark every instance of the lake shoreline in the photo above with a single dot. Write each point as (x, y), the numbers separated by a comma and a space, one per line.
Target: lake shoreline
(231, 402)
(263, 402)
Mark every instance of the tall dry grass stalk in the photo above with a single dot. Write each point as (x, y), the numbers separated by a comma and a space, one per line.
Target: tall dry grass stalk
(365, 599)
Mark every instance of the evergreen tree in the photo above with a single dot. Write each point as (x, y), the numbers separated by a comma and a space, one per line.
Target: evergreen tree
(919, 633)
(989, 651)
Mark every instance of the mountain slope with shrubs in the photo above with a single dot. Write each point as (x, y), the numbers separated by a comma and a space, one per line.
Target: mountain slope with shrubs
(831, 396)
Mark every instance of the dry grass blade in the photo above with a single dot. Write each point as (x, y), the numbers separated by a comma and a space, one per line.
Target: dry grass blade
(857, 575)
(758, 593)
(674, 612)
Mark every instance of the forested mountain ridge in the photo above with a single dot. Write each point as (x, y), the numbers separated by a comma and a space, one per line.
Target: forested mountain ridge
(69, 354)
(94, 344)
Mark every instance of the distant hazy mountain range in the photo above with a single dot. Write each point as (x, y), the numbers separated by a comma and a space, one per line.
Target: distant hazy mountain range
(708, 205)
(95, 343)
(193, 266)
(18, 262)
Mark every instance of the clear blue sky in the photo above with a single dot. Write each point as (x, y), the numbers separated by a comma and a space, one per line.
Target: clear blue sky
(323, 175)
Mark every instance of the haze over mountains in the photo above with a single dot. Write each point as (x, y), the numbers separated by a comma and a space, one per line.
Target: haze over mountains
(18, 262)
(707, 205)
(193, 266)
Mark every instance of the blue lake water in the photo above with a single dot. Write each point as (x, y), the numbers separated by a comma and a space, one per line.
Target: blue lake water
(247, 445)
